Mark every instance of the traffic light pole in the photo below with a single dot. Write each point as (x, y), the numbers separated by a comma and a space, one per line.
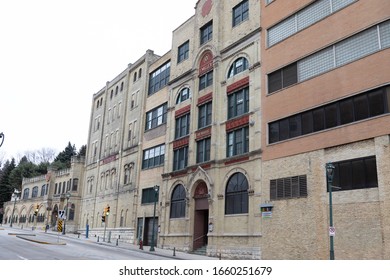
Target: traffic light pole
(105, 227)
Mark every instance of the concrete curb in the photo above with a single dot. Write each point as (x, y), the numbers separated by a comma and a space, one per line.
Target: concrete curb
(38, 241)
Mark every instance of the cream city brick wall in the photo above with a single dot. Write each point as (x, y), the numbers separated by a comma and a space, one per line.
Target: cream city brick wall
(298, 228)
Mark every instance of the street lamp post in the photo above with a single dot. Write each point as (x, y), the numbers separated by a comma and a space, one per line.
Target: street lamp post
(68, 195)
(156, 188)
(329, 179)
(15, 196)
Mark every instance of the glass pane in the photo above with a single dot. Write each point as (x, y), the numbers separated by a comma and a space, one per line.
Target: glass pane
(358, 174)
(307, 122)
(361, 107)
(357, 46)
(331, 114)
(318, 119)
(281, 31)
(313, 13)
(384, 29)
(346, 111)
(376, 102)
(371, 173)
(315, 64)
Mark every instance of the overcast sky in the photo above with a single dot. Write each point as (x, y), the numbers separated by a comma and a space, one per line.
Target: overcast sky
(54, 55)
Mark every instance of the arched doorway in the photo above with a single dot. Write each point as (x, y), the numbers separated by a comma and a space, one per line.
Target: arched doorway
(201, 216)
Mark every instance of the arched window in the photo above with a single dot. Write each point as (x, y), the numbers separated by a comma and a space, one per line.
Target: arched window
(139, 73)
(135, 77)
(35, 191)
(43, 190)
(26, 193)
(236, 194)
(238, 66)
(183, 95)
(178, 202)
(75, 184)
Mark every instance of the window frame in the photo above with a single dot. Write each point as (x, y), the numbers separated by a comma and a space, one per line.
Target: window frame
(178, 202)
(240, 13)
(237, 195)
(183, 51)
(206, 33)
(233, 143)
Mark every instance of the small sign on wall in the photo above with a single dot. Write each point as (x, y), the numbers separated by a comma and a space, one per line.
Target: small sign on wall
(266, 210)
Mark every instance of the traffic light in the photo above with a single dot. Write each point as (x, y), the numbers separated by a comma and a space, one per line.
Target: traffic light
(108, 211)
(103, 218)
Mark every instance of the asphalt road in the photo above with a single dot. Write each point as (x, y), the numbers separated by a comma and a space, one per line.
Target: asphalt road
(19, 244)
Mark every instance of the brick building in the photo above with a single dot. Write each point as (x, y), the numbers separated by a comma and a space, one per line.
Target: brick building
(325, 98)
(221, 143)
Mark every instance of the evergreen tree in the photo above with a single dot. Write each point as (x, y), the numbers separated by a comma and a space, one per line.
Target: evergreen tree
(63, 159)
(6, 189)
(83, 151)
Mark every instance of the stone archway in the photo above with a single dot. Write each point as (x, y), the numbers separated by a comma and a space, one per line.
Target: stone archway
(201, 216)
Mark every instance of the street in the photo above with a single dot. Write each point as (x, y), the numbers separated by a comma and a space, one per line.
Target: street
(17, 244)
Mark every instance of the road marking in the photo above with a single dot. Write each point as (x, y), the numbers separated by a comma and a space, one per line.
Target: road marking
(22, 257)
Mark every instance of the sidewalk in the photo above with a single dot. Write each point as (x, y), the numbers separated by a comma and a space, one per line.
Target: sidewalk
(38, 236)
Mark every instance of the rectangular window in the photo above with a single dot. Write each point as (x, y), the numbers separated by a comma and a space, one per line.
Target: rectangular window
(282, 78)
(360, 173)
(238, 142)
(240, 12)
(289, 187)
(182, 127)
(203, 150)
(304, 18)
(346, 51)
(149, 195)
(153, 157)
(206, 33)
(180, 158)
(183, 52)
(360, 107)
(206, 80)
(205, 114)
(159, 78)
(238, 103)
(156, 117)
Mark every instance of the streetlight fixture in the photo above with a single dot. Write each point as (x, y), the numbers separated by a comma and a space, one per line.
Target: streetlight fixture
(156, 188)
(1, 138)
(329, 179)
(14, 196)
(68, 195)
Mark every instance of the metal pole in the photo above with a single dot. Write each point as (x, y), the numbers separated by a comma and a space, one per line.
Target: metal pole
(154, 217)
(331, 253)
(329, 179)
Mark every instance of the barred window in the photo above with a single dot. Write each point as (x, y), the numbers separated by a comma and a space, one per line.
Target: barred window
(289, 187)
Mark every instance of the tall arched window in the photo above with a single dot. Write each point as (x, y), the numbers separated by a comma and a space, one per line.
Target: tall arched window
(35, 191)
(236, 194)
(178, 202)
(71, 212)
(238, 66)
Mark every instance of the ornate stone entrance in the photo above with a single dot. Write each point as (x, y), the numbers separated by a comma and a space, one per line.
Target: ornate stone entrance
(201, 216)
